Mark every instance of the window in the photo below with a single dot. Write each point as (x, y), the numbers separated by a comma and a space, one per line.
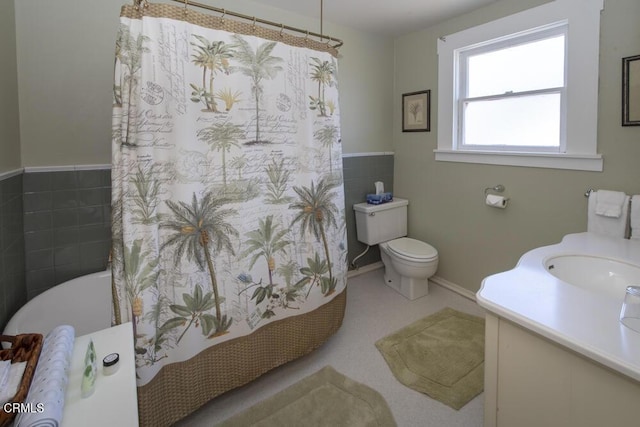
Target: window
(522, 90)
(511, 93)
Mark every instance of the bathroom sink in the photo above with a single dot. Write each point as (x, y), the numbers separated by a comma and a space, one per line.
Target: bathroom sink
(598, 274)
(572, 293)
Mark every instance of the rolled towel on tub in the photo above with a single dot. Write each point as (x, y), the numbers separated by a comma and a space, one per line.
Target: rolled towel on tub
(47, 390)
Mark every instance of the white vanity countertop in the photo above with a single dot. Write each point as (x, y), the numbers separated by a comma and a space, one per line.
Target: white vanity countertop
(581, 320)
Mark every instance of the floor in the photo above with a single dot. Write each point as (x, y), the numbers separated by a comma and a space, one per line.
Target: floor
(373, 311)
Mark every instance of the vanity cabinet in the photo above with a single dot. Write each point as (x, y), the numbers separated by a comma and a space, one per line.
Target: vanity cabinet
(532, 381)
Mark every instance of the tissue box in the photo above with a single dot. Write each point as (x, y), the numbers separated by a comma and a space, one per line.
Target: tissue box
(376, 199)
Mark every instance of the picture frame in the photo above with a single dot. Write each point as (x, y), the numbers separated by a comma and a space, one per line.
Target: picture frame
(631, 91)
(416, 111)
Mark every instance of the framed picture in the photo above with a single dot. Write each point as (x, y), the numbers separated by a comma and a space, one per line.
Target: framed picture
(631, 91)
(416, 111)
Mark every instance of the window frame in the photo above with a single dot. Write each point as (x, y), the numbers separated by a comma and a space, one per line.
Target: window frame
(578, 142)
(462, 98)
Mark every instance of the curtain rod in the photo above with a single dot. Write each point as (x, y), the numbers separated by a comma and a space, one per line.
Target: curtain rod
(225, 12)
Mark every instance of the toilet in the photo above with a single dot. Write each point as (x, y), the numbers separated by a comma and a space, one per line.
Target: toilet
(408, 263)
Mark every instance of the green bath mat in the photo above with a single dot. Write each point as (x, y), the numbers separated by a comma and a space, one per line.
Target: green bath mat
(326, 398)
(441, 356)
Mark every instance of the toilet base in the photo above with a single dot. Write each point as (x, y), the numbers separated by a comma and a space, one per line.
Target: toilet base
(406, 286)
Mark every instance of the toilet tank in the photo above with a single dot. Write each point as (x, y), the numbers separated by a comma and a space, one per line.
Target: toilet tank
(381, 223)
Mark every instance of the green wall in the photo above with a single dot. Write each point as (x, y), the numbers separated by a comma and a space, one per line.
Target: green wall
(65, 64)
(447, 199)
(9, 123)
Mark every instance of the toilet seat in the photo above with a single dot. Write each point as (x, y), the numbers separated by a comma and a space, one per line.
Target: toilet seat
(412, 249)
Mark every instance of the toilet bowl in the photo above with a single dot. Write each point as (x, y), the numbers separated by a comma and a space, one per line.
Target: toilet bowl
(408, 265)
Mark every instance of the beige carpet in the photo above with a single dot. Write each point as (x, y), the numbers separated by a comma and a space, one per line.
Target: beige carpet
(441, 355)
(326, 398)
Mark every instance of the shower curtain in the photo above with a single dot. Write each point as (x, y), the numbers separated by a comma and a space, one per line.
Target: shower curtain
(228, 205)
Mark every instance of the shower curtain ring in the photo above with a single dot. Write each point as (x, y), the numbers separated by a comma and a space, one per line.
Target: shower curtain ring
(281, 30)
(253, 26)
(141, 4)
(186, 11)
(224, 12)
(306, 38)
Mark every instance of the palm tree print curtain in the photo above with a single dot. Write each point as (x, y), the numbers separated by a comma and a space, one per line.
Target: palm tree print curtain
(228, 206)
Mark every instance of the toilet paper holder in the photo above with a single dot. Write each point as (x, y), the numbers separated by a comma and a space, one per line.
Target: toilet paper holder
(495, 200)
(498, 189)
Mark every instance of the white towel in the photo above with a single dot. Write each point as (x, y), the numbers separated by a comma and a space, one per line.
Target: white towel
(610, 226)
(12, 382)
(5, 366)
(609, 203)
(635, 217)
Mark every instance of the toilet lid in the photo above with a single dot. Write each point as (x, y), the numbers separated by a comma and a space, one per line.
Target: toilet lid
(412, 248)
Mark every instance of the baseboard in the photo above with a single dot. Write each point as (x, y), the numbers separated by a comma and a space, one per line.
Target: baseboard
(364, 269)
(453, 287)
(466, 293)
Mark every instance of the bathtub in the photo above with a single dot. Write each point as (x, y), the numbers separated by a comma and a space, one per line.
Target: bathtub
(84, 303)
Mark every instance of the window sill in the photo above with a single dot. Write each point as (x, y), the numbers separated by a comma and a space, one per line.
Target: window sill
(584, 162)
